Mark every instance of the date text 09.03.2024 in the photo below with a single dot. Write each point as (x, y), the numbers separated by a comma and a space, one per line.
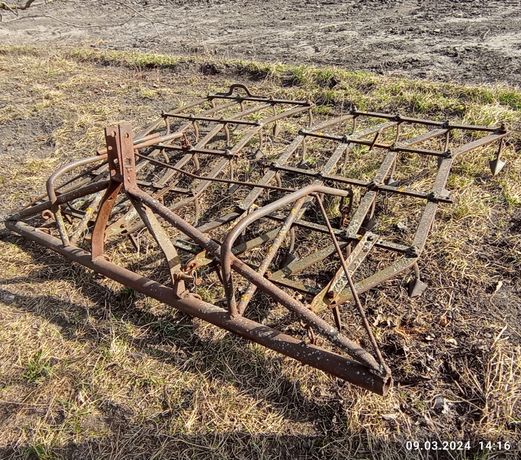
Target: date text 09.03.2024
(458, 445)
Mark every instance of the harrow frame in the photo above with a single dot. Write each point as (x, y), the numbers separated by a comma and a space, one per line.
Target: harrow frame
(113, 187)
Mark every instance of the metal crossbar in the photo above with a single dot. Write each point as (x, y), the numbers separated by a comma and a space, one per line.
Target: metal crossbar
(232, 198)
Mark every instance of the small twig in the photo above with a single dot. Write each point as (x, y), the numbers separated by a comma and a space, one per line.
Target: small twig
(143, 15)
(126, 5)
(5, 6)
(28, 3)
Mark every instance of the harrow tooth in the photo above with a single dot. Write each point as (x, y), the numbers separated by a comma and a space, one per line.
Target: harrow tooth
(370, 224)
(496, 166)
(416, 287)
(289, 259)
(220, 213)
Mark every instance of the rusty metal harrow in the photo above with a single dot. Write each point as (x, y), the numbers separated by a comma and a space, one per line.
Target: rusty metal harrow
(281, 221)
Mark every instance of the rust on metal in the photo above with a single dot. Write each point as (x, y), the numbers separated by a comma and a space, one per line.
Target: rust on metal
(239, 193)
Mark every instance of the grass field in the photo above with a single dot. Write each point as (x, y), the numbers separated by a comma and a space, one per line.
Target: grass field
(89, 369)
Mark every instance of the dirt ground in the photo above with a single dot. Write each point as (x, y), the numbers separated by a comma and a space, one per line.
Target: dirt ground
(466, 41)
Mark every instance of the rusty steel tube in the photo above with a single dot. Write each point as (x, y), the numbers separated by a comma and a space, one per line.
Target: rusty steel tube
(311, 355)
(277, 242)
(51, 192)
(64, 198)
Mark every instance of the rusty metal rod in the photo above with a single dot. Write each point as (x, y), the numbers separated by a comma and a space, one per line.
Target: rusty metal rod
(222, 121)
(422, 121)
(61, 199)
(373, 144)
(192, 150)
(371, 185)
(214, 179)
(356, 298)
(269, 100)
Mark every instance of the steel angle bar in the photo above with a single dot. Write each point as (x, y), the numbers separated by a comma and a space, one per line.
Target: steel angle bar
(166, 245)
(421, 121)
(329, 294)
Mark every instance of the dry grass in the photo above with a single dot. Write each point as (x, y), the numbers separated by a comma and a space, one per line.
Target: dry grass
(89, 369)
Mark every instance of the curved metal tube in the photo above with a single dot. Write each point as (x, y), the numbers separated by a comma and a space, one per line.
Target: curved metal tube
(226, 248)
(51, 191)
(64, 198)
(235, 86)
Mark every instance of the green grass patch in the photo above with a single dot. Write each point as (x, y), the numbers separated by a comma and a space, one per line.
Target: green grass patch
(38, 367)
(332, 85)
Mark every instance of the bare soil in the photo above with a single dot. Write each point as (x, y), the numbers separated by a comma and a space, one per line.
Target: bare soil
(466, 41)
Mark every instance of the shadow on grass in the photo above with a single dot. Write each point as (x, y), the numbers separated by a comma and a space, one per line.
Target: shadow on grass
(249, 371)
(236, 445)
